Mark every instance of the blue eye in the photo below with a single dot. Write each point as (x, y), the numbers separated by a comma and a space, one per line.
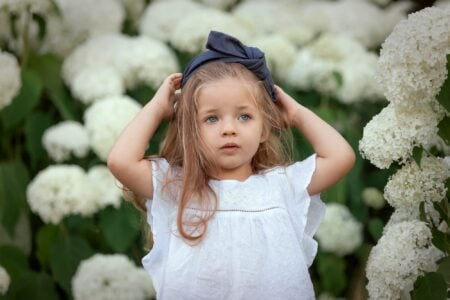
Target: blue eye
(244, 117)
(212, 119)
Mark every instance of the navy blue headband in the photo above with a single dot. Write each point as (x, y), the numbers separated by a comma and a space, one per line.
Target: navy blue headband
(229, 49)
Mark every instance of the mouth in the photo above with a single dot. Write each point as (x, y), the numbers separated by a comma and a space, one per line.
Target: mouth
(229, 147)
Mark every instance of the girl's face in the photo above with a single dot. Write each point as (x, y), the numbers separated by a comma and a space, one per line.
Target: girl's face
(231, 126)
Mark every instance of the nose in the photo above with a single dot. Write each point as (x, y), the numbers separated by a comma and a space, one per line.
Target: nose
(229, 128)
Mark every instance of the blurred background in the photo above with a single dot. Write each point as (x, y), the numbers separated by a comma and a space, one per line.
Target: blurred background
(74, 73)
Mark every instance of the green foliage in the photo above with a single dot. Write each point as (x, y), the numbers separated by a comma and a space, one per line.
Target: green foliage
(430, 286)
(13, 182)
(65, 255)
(27, 99)
(332, 273)
(120, 226)
(444, 94)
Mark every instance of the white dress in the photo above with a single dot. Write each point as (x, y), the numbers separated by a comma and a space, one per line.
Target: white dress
(258, 245)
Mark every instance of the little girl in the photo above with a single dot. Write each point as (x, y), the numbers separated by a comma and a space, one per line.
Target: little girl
(231, 216)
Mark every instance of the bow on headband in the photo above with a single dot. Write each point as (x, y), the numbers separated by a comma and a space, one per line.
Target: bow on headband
(229, 49)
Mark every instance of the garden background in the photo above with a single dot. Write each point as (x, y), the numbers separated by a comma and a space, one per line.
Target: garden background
(74, 73)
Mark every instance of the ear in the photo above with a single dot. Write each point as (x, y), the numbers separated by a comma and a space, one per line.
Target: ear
(264, 135)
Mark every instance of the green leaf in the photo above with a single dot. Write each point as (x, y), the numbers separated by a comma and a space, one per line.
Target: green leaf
(120, 226)
(338, 77)
(376, 228)
(35, 125)
(14, 178)
(14, 261)
(444, 94)
(332, 273)
(36, 286)
(430, 286)
(444, 268)
(444, 129)
(417, 154)
(48, 67)
(440, 240)
(45, 238)
(442, 209)
(25, 101)
(65, 255)
(422, 214)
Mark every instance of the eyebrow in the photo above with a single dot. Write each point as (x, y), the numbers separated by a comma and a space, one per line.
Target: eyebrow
(212, 110)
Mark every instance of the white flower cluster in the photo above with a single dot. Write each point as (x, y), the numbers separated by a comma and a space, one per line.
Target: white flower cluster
(35, 6)
(402, 254)
(67, 137)
(191, 32)
(5, 280)
(412, 64)
(339, 232)
(393, 133)
(61, 190)
(106, 65)
(369, 26)
(219, 4)
(80, 20)
(319, 64)
(412, 184)
(160, 17)
(268, 16)
(279, 52)
(372, 197)
(105, 120)
(10, 81)
(134, 9)
(111, 277)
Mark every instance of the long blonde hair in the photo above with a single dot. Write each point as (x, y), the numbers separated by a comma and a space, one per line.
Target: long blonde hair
(182, 146)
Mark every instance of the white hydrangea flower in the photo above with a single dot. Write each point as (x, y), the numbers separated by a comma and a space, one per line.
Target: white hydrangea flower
(80, 20)
(191, 32)
(5, 280)
(219, 4)
(279, 52)
(110, 277)
(108, 191)
(160, 17)
(298, 35)
(369, 26)
(95, 82)
(339, 232)
(35, 6)
(373, 197)
(135, 59)
(105, 120)
(316, 66)
(10, 81)
(444, 4)
(268, 16)
(60, 190)
(412, 184)
(402, 254)
(65, 138)
(392, 134)
(412, 64)
(134, 9)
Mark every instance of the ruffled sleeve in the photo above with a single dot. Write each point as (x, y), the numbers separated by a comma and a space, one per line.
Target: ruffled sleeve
(159, 211)
(306, 211)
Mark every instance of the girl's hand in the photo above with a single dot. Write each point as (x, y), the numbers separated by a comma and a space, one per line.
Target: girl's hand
(165, 95)
(288, 106)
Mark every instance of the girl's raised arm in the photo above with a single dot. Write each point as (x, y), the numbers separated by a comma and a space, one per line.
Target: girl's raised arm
(335, 157)
(126, 158)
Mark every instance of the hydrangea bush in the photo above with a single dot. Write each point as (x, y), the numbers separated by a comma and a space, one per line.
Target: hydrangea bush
(74, 73)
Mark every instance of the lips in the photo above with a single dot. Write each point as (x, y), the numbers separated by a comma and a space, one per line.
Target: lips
(229, 147)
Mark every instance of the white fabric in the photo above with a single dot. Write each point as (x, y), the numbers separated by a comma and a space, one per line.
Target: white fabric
(259, 244)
